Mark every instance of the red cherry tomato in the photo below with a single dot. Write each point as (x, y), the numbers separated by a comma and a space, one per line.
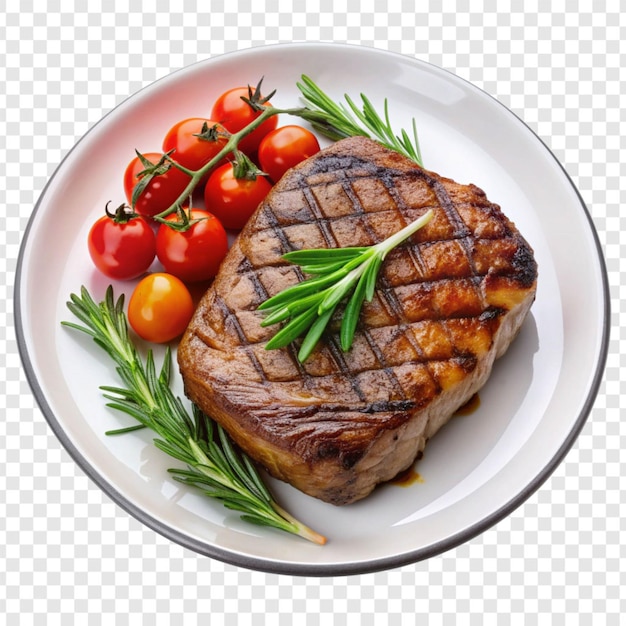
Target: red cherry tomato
(234, 114)
(160, 308)
(195, 254)
(233, 200)
(285, 147)
(189, 150)
(160, 193)
(120, 245)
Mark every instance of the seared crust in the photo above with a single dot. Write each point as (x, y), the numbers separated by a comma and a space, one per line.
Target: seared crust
(448, 302)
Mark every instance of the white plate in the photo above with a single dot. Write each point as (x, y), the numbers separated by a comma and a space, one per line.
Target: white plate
(479, 467)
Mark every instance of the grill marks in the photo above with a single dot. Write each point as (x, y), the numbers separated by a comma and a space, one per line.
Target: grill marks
(361, 173)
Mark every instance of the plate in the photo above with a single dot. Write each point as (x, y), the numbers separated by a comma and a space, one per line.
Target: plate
(479, 467)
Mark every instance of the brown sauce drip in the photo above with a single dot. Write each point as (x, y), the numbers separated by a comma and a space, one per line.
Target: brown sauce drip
(470, 406)
(407, 478)
(410, 476)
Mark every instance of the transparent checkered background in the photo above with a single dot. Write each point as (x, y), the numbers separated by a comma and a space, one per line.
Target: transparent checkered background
(70, 555)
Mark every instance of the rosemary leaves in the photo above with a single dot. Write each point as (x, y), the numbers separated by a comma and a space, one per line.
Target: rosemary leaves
(213, 463)
(308, 306)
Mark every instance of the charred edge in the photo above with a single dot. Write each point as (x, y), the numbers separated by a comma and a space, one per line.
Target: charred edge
(334, 163)
(467, 362)
(490, 318)
(398, 407)
(492, 313)
(384, 406)
(524, 264)
(347, 458)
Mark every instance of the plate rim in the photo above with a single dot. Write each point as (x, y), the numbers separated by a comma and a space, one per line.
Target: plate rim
(270, 565)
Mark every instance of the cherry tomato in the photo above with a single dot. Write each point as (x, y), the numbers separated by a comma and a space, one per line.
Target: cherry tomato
(160, 193)
(160, 308)
(195, 254)
(285, 147)
(189, 150)
(234, 114)
(121, 244)
(233, 200)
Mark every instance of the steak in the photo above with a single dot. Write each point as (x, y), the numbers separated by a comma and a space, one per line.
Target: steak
(448, 302)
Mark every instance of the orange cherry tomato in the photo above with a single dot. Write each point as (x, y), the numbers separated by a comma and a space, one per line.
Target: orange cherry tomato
(160, 308)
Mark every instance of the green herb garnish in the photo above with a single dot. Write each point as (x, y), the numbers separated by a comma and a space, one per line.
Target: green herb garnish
(338, 121)
(339, 272)
(309, 305)
(213, 463)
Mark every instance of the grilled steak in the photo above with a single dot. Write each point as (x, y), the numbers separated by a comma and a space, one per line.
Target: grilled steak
(448, 302)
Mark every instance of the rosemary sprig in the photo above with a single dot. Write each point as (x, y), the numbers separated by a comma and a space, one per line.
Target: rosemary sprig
(309, 305)
(213, 463)
(338, 121)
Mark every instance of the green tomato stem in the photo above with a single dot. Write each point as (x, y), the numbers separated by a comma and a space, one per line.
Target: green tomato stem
(229, 146)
